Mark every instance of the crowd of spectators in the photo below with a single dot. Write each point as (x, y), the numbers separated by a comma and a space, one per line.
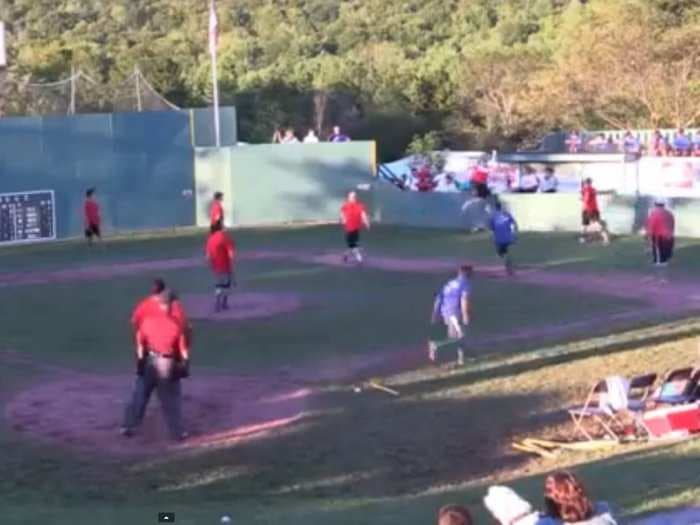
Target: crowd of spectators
(566, 502)
(680, 143)
(288, 136)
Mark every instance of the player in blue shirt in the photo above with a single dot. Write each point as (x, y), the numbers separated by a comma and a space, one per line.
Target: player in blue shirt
(452, 305)
(505, 232)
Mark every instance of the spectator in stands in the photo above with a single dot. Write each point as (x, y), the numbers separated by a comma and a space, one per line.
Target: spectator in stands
(277, 136)
(454, 515)
(480, 180)
(565, 499)
(574, 142)
(630, 144)
(290, 137)
(338, 135)
(610, 146)
(529, 181)
(549, 182)
(696, 144)
(681, 143)
(598, 143)
(311, 137)
(657, 146)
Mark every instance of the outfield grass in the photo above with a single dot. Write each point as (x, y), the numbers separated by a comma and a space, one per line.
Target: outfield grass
(360, 458)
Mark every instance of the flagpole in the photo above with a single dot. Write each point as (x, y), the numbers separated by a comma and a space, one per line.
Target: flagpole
(213, 45)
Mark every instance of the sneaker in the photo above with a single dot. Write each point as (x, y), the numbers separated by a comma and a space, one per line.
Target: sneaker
(432, 351)
(182, 437)
(126, 432)
(460, 358)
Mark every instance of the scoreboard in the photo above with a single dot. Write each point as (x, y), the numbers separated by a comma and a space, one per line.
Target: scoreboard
(27, 217)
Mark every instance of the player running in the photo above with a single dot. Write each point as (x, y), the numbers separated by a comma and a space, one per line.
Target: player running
(505, 231)
(92, 216)
(591, 213)
(452, 304)
(660, 231)
(216, 212)
(354, 217)
(220, 251)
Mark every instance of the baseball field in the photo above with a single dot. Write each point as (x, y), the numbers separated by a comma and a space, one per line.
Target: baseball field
(279, 431)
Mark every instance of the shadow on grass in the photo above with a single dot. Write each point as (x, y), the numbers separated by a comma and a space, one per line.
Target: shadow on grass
(370, 445)
(559, 356)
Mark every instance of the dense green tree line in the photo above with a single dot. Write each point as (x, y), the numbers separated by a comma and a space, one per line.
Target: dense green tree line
(480, 73)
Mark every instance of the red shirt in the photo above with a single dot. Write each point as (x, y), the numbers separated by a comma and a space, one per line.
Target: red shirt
(92, 213)
(216, 213)
(220, 252)
(661, 223)
(590, 198)
(352, 213)
(480, 175)
(160, 333)
(150, 306)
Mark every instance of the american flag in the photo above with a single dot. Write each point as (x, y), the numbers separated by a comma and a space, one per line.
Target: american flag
(213, 28)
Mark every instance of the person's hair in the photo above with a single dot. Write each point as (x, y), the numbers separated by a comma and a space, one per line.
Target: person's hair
(218, 195)
(466, 269)
(89, 192)
(216, 227)
(158, 285)
(565, 498)
(454, 515)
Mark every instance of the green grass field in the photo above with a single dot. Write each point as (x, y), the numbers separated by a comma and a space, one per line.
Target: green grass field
(353, 458)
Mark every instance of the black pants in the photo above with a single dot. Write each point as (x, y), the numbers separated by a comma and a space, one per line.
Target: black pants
(662, 250)
(352, 239)
(160, 374)
(482, 190)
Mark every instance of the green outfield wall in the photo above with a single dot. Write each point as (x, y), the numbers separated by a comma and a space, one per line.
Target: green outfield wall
(279, 184)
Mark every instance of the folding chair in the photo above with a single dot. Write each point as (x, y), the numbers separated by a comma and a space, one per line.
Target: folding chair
(637, 397)
(678, 387)
(606, 417)
(591, 409)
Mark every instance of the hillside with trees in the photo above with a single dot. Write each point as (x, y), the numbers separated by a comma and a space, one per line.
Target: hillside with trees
(480, 73)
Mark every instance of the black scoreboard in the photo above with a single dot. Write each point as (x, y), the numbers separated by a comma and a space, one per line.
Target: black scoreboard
(27, 217)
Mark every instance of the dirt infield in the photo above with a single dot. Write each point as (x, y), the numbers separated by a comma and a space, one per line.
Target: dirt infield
(242, 306)
(85, 412)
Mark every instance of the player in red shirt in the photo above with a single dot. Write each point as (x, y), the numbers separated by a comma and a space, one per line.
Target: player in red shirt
(660, 230)
(590, 217)
(92, 216)
(162, 355)
(220, 252)
(480, 181)
(216, 212)
(354, 217)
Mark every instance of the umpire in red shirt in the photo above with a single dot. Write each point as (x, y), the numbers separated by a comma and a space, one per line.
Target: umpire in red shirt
(162, 357)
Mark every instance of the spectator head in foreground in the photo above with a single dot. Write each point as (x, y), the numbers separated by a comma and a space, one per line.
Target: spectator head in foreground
(454, 515)
(565, 498)
(507, 508)
(338, 135)
(311, 137)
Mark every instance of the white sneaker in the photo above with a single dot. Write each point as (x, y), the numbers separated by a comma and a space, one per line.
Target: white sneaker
(460, 358)
(432, 351)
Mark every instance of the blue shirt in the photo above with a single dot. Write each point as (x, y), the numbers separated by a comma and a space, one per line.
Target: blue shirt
(503, 226)
(450, 297)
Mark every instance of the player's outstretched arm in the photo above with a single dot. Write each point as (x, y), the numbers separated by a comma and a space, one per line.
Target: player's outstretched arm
(436, 309)
(365, 220)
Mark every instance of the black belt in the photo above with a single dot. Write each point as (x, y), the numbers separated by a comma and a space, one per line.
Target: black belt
(160, 356)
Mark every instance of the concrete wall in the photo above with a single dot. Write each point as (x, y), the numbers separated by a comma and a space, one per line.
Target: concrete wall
(277, 184)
